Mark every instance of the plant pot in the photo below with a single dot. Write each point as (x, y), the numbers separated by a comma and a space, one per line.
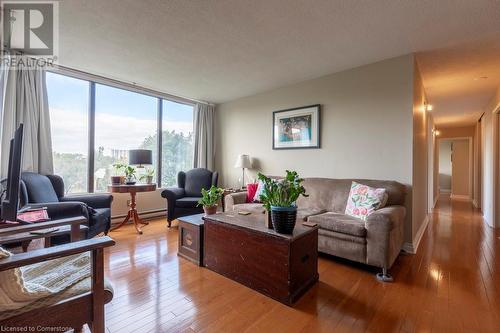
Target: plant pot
(149, 179)
(122, 180)
(130, 180)
(283, 219)
(116, 180)
(210, 210)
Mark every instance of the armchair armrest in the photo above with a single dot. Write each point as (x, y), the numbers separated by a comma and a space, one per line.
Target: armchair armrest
(91, 200)
(234, 199)
(173, 193)
(59, 210)
(32, 257)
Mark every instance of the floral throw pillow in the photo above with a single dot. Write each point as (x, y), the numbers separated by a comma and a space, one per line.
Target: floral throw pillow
(364, 200)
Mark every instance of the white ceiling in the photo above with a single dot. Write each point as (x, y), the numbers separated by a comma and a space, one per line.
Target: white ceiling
(461, 80)
(219, 50)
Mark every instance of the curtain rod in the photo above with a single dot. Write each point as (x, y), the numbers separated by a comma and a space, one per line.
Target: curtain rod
(128, 85)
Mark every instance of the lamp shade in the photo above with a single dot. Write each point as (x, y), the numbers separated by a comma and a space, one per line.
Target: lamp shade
(140, 157)
(243, 161)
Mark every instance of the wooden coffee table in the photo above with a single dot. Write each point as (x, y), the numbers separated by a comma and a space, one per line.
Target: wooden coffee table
(243, 249)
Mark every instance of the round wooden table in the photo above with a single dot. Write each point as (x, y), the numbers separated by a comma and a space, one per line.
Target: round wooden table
(132, 212)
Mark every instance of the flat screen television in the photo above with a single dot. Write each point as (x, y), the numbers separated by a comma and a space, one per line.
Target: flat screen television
(11, 200)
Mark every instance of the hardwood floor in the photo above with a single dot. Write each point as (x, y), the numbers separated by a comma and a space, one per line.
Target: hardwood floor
(451, 285)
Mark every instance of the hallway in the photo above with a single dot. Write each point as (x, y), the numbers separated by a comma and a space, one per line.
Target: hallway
(455, 276)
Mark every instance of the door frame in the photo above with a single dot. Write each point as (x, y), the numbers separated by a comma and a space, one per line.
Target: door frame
(470, 194)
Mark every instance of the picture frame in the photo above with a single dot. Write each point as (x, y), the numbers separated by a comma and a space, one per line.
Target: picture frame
(297, 128)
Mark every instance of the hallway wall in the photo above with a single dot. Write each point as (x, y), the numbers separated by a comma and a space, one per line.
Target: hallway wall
(460, 178)
(445, 165)
(487, 129)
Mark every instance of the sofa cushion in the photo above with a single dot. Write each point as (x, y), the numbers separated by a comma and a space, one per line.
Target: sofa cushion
(187, 202)
(303, 214)
(254, 208)
(251, 190)
(341, 223)
(363, 200)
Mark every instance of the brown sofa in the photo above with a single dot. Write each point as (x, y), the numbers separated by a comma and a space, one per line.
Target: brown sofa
(376, 241)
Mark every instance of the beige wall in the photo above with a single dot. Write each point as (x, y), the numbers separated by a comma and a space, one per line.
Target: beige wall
(420, 176)
(456, 132)
(488, 131)
(146, 203)
(445, 165)
(367, 126)
(460, 180)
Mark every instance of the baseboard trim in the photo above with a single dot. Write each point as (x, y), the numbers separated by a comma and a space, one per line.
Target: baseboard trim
(144, 215)
(413, 246)
(435, 201)
(460, 197)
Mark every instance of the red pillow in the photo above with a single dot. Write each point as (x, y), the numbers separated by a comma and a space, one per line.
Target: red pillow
(251, 189)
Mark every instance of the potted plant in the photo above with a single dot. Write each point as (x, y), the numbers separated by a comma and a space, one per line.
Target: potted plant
(209, 199)
(117, 179)
(129, 175)
(148, 175)
(279, 197)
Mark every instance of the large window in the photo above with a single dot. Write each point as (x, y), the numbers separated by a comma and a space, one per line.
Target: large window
(119, 120)
(68, 104)
(124, 120)
(177, 141)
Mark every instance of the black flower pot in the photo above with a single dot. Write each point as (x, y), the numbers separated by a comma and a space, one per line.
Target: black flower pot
(283, 219)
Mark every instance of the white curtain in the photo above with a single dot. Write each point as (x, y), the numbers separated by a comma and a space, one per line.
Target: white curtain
(24, 100)
(204, 140)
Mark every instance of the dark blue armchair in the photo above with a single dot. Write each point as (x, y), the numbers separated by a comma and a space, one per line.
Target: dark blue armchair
(183, 199)
(48, 191)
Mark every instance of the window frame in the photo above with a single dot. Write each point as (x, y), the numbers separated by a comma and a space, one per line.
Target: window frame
(96, 79)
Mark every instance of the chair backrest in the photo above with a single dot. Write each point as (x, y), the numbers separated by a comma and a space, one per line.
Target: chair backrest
(38, 188)
(194, 180)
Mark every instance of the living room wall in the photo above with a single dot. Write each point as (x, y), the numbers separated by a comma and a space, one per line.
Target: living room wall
(366, 131)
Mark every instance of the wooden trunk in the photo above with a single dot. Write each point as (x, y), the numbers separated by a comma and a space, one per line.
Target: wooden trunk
(243, 249)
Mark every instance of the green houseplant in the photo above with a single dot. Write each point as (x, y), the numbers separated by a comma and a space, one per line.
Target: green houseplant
(148, 176)
(209, 199)
(118, 177)
(279, 197)
(130, 175)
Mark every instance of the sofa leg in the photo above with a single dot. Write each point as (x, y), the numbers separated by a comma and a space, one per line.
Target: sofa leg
(384, 276)
(169, 223)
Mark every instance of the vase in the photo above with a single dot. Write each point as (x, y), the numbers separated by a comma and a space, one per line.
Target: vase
(116, 180)
(210, 210)
(283, 219)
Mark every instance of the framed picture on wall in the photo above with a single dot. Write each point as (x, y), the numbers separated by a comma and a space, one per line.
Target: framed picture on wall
(297, 128)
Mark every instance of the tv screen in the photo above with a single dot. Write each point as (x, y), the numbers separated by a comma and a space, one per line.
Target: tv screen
(10, 201)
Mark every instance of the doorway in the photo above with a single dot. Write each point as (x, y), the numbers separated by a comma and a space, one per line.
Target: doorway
(455, 167)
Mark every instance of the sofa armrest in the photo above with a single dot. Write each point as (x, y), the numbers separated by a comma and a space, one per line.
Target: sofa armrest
(386, 219)
(385, 235)
(234, 199)
(92, 200)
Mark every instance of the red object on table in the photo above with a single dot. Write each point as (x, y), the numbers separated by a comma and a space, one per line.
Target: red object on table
(36, 215)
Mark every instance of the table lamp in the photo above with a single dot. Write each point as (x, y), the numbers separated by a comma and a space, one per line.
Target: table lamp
(243, 161)
(140, 157)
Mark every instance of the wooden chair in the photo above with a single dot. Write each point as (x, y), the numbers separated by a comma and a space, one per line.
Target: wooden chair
(70, 308)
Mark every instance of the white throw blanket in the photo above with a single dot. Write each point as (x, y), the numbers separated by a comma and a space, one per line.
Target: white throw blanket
(24, 285)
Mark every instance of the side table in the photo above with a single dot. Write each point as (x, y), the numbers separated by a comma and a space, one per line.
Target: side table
(132, 213)
(191, 238)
